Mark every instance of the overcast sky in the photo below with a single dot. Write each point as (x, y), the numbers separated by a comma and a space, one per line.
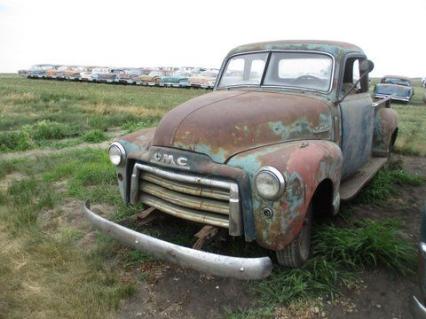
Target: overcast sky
(181, 32)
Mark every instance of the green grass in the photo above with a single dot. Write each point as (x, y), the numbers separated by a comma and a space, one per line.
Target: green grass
(36, 113)
(384, 183)
(55, 264)
(366, 244)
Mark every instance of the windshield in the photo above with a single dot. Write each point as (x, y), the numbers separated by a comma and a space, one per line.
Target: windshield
(396, 81)
(285, 69)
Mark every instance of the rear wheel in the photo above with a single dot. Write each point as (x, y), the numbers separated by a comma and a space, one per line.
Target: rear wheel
(298, 251)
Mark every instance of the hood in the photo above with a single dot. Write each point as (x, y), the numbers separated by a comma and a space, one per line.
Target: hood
(224, 123)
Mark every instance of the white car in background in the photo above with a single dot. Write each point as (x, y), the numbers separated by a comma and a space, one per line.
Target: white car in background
(205, 80)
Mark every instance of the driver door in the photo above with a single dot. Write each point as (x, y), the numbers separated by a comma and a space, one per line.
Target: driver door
(357, 118)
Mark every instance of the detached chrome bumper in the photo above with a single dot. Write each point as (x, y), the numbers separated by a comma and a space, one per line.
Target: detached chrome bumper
(219, 265)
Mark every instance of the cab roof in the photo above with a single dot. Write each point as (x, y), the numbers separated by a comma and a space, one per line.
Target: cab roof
(333, 47)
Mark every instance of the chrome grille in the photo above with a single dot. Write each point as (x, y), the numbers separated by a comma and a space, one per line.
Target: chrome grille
(196, 198)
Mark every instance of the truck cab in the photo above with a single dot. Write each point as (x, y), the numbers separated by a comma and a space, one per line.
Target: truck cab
(289, 131)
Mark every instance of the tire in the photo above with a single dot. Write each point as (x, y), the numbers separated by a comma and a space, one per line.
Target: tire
(299, 250)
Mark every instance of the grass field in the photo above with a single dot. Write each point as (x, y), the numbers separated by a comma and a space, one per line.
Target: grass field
(52, 265)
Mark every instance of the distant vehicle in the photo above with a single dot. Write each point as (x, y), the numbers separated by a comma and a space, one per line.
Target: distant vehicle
(39, 71)
(86, 72)
(60, 72)
(424, 82)
(205, 80)
(129, 76)
(23, 72)
(51, 73)
(102, 75)
(72, 73)
(398, 88)
(177, 79)
(151, 79)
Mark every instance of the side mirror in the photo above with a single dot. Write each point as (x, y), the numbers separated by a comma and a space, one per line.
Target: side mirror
(366, 66)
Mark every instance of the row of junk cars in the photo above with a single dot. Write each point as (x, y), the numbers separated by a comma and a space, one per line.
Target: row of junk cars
(196, 77)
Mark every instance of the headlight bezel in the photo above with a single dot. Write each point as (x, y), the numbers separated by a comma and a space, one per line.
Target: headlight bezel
(275, 173)
(122, 153)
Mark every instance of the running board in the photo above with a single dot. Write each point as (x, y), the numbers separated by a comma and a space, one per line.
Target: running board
(350, 187)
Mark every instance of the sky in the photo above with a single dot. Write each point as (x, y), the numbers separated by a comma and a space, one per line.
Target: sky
(127, 33)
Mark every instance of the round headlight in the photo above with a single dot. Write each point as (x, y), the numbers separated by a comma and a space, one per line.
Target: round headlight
(269, 183)
(116, 153)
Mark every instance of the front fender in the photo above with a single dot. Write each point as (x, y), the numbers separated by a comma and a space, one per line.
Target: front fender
(135, 145)
(305, 164)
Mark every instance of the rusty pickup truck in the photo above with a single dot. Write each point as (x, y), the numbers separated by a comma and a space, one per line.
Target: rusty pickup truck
(289, 132)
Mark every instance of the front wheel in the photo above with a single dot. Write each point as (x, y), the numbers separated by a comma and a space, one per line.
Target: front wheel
(298, 251)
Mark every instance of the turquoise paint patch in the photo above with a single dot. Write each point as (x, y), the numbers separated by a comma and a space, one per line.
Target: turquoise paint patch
(279, 129)
(130, 147)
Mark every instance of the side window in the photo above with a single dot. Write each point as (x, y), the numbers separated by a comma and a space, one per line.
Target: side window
(352, 75)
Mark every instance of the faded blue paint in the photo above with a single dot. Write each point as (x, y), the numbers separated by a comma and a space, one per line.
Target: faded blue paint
(357, 131)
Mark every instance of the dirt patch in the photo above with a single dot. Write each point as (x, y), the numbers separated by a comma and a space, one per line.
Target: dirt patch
(382, 297)
(183, 293)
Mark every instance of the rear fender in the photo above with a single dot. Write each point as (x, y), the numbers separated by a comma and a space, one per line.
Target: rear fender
(304, 165)
(385, 124)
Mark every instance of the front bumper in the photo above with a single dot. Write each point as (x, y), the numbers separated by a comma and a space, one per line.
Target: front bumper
(219, 265)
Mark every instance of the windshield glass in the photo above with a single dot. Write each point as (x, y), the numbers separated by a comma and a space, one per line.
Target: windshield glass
(244, 69)
(286, 69)
(396, 81)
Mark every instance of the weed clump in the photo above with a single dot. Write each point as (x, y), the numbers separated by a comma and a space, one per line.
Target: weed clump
(367, 244)
(94, 136)
(15, 141)
(338, 255)
(382, 186)
(48, 130)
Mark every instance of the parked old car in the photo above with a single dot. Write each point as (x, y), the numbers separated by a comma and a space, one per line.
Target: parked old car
(289, 132)
(205, 80)
(59, 72)
(177, 79)
(419, 304)
(398, 88)
(102, 75)
(152, 78)
(72, 73)
(23, 72)
(86, 73)
(39, 71)
(51, 72)
(129, 76)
